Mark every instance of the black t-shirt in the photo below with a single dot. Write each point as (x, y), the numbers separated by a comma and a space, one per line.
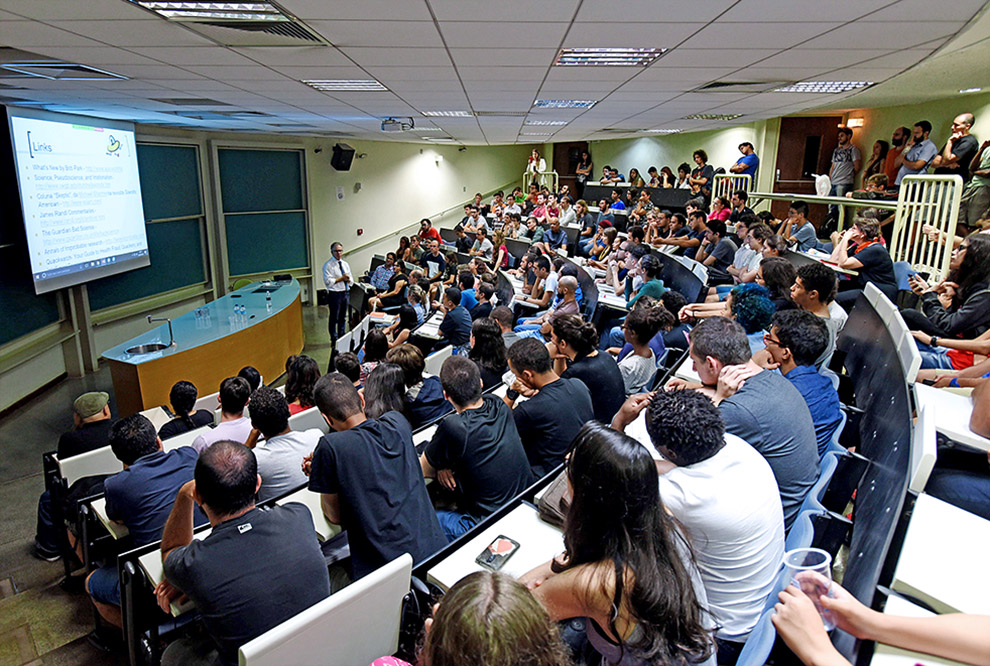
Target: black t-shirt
(251, 574)
(877, 266)
(87, 437)
(489, 377)
(464, 244)
(375, 473)
(965, 149)
(736, 215)
(429, 403)
(675, 337)
(724, 253)
(177, 426)
(587, 222)
(482, 447)
(456, 326)
(601, 374)
(549, 421)
(438, 259)
(481, 311)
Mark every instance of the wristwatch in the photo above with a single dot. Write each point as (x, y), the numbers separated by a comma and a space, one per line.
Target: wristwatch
(934, 342)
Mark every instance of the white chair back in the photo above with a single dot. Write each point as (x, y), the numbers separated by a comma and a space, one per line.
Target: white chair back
(307, 419)
(91, 463)
(923, 449)
(208, 402)
(353, 626)
(185, 439)
(344, 343)
(435, 360)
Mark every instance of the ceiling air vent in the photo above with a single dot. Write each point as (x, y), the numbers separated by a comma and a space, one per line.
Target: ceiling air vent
(741, 86)
(237, 23)
(501, 114)
(287, 30)
(56, 71)
(189, 101)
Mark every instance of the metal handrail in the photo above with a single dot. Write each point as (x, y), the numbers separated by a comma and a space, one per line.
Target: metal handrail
(841, 202)
(528, 177)
(724, 184)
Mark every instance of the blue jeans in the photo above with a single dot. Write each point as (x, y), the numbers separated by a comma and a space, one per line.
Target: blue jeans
(455, 524)
(104, 585)
(965, 489)
(838, 191)
(337, 300)
(584, 246)
(936, 358)
(49, 535)
(533, 332)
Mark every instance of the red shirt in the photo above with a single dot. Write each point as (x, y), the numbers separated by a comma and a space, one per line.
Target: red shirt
(430, 233)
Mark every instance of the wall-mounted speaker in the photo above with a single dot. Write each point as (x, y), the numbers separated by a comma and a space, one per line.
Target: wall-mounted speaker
(343, 155)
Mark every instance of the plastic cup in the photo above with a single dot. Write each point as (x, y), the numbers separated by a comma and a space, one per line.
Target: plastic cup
(810, 570)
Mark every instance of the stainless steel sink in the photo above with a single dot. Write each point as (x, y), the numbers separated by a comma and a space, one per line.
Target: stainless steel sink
(147, 349)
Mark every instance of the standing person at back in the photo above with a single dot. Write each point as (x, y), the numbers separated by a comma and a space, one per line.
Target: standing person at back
(959, 150)
(555, 411)
(476, 452)
(918, 153)
(846, 160)
(234, 394)
(371, 482)
(182, 397)
(759, 406)
(337, 278)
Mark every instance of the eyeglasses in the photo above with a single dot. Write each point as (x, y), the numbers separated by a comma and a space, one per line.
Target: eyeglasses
(767, 339)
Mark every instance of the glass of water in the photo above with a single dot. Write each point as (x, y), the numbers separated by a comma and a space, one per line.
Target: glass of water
(810, 570)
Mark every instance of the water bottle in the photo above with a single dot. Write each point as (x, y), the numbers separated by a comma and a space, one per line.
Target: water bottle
(268, 301)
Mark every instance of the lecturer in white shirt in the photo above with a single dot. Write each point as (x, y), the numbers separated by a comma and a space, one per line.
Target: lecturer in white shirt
(337, 278)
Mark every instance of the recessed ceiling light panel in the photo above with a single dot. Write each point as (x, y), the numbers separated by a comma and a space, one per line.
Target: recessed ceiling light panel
(565, 103)
(214, 11)
(536, 134)
(329, 85)
(545, 123)
(663, 131)
(713, 116)
(814, 87)
(447, 114)
(970, 90)
(607, 57)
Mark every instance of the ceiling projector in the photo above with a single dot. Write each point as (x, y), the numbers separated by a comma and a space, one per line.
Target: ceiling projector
(394, 125)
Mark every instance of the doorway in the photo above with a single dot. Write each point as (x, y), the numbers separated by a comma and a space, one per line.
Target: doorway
(566, 157)
(803, 150)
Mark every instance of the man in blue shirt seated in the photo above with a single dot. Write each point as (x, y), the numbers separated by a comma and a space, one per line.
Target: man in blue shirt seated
(456, 325)
(465, 282)
(796, 339)
(139, 498)
(797, 229)
(748, 163)
(616, 203)
(382, 274)
(555, 238)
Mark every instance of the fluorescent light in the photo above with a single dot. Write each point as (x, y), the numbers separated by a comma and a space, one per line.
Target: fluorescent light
(428, 129)
(607, 57)
(713, 116)
(214, 11)
(536, 134)
(341, 85)
(970, 90)
(447, 114)
(663, 131)
(855, 122)
(545, 123)
(440, 139)
(565, 103)
(823, 86)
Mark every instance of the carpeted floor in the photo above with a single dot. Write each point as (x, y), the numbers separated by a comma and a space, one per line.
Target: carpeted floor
(39, 622)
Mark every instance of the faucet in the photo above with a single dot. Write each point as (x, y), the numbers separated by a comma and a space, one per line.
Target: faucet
(171, 337)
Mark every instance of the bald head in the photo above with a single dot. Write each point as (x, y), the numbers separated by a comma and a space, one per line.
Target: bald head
(568, 285)
(227, 477)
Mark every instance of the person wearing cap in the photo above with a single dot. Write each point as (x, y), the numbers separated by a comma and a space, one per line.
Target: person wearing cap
(91, 430)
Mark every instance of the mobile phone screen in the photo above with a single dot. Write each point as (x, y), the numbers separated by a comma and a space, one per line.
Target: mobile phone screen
(497, 553)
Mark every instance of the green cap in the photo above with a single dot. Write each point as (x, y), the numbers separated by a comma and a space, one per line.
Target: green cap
(90, 403)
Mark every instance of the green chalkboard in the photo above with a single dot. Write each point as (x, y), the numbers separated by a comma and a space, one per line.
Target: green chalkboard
(260, 180)
(176, 252)
(21, 312)
(169, 181)
(265, 242)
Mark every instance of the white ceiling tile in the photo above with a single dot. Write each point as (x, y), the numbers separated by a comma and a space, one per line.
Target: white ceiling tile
(634, 34)
(504, 73)
(772, 11)
(897, 60)
(394, 74)
(375, 10)
(893, 35)
(922, 10)
(193, 55)
(407, 57)
(718, 36)
(235, 72)
(468, 34)
(299, 56)
(150, 32)
(25, 34)
(153, 72)
(309, 73)
(76, 11)
(486, 56)
(608, 11)
(819, 57)
(378, 33)
(579, 75)
(732, 59)
(501, 11)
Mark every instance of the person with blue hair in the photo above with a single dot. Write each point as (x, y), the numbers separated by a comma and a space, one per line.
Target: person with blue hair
(752, 308)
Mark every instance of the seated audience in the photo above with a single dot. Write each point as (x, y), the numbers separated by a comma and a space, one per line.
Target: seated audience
(757, 405)
(300, 378)
(960, 305)
(777, 275)
(433, 262)
(574, 348)
(280, 456)
(725, 496)
(475, 453)
(255, 570)
(371, 481)
(795, 341)
(639, 367)
(348, 365)
(797, 229)
(375, 347)
(402, 327)
(91, 430)
(484, 294)
(139, 498)
(540, 327)
(394, 295)
(504, 317)
(717, 252)
(455, 329)
(813, 291)
(233, 426)
(182, 397)
(423, 395)
(384, 391)
(677, 336)
(488, 352)
(492, 619)
(751, 307)
(482, 246)
(380, 277)
(953, 636)
(546, 430)
(859, 249)
(627, 567)
(253, 377)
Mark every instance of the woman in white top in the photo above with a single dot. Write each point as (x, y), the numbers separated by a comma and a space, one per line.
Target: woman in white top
(640, 366)
(535, 167)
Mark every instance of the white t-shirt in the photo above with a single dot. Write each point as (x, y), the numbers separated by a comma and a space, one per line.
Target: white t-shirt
(551, 285)
(637, 371)
(730, 506)
(280, 461)
(744, 255)
(236, 431)
(835, 312)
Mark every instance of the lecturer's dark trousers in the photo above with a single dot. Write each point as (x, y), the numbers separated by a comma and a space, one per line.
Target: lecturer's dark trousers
(338, 313)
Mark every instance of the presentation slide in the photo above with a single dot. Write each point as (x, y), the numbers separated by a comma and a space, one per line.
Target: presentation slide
(80, 197)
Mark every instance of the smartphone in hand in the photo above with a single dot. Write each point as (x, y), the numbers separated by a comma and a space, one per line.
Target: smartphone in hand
(497, 553)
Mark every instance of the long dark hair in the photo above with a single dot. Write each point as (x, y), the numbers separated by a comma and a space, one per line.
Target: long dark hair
(617, 517)
(182, 397)
(375, 346)
(579, 334)
(384, 390)
(975, 267)
(778, 275)
(408, 319)
(488, 350)
(302, 376)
